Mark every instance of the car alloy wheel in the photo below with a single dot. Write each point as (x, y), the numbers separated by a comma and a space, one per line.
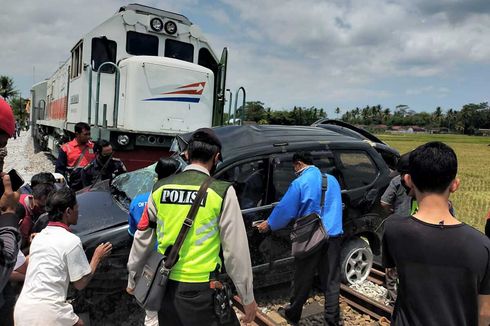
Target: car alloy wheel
(357, 260)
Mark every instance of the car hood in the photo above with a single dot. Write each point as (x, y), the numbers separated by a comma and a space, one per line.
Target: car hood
(98, 210)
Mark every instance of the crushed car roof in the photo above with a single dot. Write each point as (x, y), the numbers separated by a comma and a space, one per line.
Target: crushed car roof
(259, 139)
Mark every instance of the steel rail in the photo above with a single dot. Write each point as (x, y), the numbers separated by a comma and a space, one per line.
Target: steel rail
(260, 318)
(376, 276)
(364, 304)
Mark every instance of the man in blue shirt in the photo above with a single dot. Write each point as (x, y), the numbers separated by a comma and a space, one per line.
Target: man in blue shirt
(303, 198)
(136, 209)
(330, 275)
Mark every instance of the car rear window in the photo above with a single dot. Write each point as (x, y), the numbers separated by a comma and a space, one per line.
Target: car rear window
(357, 168)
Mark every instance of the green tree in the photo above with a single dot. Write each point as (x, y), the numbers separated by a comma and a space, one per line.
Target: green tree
(255, 111)
(281, 118)
(7, 89)
(18, 107)
(437, 117)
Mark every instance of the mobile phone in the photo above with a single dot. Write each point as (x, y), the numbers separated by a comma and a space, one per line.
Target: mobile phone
(15, 179)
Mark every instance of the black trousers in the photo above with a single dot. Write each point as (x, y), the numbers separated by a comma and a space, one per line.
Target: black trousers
(7, 309)
(331, 279)
(189, 304)
(326, 262)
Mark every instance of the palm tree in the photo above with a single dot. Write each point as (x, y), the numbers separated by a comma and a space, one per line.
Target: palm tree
(386, 115)
(437, 116)
(356, 114)
(7, 87)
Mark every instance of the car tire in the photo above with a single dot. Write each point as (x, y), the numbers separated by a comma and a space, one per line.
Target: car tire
(356, 260)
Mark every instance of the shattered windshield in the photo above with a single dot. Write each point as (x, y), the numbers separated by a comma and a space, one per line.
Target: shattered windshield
(131, 184)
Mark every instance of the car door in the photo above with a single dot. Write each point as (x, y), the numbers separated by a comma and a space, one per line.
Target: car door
(250, 178)
(358, 174)
(279, 242)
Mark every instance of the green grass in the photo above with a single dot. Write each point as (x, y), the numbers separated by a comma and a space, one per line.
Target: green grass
(472, 200)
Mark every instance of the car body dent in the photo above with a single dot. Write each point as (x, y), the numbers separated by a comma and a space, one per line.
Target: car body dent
(104, 208)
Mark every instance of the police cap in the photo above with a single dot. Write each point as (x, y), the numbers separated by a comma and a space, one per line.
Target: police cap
(206, 135)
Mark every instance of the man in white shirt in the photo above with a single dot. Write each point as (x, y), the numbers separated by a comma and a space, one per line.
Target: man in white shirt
(56, 259)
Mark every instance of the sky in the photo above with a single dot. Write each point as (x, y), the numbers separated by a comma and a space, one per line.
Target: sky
(327, 54)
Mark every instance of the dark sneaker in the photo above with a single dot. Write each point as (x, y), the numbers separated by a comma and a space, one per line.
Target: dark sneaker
(283, 312)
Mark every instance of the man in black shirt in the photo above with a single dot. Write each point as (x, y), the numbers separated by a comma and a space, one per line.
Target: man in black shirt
(103, 167)
(487, 225)
(443, 265)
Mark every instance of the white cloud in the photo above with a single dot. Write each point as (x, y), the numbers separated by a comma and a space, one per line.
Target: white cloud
(430, 89)
(338, 48)
(285, 52)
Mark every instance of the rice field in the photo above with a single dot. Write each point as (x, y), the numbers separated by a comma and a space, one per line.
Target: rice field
(472, 200)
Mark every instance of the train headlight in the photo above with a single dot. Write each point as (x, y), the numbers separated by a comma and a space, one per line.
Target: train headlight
(156, 24)
(170, 27)
(123, 140)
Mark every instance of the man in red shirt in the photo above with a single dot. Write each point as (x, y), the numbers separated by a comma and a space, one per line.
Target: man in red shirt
(75, 155)
(34, 206)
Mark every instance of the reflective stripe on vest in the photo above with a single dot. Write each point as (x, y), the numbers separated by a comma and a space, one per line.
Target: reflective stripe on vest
(73, 152)
(199, 255)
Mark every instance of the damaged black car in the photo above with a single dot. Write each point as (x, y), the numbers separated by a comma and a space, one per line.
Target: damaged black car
(257, 160)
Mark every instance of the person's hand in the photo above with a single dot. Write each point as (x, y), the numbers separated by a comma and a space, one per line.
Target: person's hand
(250, 311)
(263, 227)
(130, 291)
(103, 250)
(31, 237)
(79, 322)
(10, 198)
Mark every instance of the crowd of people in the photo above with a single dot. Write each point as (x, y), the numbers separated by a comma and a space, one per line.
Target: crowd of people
(83, 162)
(438, 268)
(36, 243)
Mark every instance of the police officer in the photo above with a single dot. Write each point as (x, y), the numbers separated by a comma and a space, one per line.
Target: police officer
(104, 166)
(218, 226)
(75, 154)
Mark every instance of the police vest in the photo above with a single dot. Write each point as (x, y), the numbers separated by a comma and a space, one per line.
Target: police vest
(173, 197)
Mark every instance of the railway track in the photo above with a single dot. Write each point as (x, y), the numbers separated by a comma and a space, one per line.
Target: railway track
(354, 299)
(377, 275)
(364, 304)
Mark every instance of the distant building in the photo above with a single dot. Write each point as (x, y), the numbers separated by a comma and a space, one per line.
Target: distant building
(406, 129)
(442, 130)
(380, 128)
(418, 129)
(483, 132)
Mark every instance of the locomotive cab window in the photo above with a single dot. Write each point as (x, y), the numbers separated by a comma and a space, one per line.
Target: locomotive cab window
(141, 44)
(76, 60)
(103, 50)
(207, 60)
(179, 50)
